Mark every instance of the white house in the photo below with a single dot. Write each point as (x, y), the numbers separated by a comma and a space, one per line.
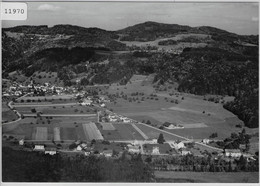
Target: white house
(205, 141)
(185, 152)
(86, 102)
(155, 150)
(133, 149)
(39, 148)
(108, 153)
(50, 151)
(179, 145)
(103, 105)
(21, 142)
(235, 153)
(79, 148)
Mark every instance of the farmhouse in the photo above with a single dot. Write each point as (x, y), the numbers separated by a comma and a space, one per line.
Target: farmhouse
(205, 141)
(39, 148)
(79, 148)
(235, 153)
(21, 142)
(133, 148)
(185, 152)
(108, 153)
(50, 151)
(155, 150)
(86, 102)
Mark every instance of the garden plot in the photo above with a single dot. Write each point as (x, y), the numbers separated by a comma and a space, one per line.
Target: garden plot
(68, 133)
(56, 133)
(108, 126)
(91, 131)
(41, 133)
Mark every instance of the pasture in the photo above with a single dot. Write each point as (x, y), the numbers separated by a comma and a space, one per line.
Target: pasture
(7, 114)
(200, 118)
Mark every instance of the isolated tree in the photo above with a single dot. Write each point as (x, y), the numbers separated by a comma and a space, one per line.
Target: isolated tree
(148, 122)
(160, 139)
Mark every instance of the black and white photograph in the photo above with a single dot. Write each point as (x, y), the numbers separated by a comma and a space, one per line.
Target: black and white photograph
(130, 92)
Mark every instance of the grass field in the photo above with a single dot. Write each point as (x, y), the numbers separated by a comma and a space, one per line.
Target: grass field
(189, 112)
(152, 133)
(67, 109)
(41, 133)
(47, 98)
(7, 114)
(91, 131)
(108, 126)
(207, 177)
(68, 133)
(128, 132)
(70, 128)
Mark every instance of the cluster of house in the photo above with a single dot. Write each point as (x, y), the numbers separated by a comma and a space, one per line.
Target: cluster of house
(17, 89)
(181, 146)
(168, 125)
(112, 117)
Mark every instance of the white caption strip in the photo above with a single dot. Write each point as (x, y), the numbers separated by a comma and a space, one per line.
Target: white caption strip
(13, 11)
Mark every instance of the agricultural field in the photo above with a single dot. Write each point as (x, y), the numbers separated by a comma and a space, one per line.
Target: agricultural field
(30, 99)
(65, 109)
(92, 132)
(207, 177)
(49, 128)
(7, 114)
(108, 126)
(199, 117)
(128, 132)
(153, 133)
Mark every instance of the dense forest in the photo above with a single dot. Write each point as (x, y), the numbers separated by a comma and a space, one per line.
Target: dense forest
(22, 166)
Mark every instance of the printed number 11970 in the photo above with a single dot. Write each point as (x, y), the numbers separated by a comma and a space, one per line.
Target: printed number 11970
(14, 11)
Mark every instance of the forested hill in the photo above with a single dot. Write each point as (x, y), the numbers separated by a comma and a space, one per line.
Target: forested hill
(201, 60)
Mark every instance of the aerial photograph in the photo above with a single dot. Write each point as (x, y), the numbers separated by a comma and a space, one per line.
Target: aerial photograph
(131, 92)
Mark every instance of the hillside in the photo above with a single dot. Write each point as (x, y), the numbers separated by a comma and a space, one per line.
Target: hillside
(201, 60)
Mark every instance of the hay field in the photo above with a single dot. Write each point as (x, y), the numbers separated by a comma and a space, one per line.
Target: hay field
(128, 132)
(108, 126)
(56, 133)
(153, 133)
(92, 132)
(41, 133)
(68, 133)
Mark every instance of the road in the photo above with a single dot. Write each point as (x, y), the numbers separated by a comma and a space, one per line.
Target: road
(45, 105)
(62, 115)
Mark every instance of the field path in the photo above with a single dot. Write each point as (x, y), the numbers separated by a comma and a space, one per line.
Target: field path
(140, 132)
(45, 105)
(61, 115)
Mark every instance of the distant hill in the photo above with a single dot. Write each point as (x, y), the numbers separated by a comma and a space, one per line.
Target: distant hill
(208, 60)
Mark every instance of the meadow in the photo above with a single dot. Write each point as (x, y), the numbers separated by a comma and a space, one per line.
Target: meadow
(199, 117)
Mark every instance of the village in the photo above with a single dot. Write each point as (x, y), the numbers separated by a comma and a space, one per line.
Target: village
(107, 133)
